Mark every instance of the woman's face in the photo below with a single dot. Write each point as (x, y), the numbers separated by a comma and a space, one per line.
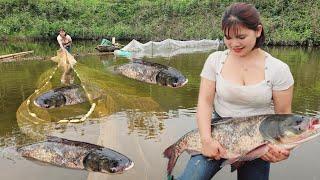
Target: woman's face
(241, 40)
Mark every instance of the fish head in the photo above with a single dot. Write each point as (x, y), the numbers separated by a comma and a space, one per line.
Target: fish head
(171, 77)
(50, 100)
(297, 128)
(107, 162)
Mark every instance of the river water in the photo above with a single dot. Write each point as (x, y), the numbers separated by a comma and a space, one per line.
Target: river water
(143, 119)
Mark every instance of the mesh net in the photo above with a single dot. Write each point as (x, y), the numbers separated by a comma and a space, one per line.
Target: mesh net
(107, 93)
(169, 47)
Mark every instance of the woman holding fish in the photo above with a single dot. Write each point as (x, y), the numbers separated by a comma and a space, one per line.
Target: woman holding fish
(243, 80)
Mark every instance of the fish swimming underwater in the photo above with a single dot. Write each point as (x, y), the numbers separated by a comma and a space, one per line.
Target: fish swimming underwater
(62, 96)
(247, 138)
(153, 73)
(77, 155)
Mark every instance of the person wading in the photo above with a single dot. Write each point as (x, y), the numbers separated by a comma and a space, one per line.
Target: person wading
(64, 40)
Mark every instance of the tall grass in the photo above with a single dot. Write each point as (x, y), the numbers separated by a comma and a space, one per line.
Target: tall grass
(287, 22)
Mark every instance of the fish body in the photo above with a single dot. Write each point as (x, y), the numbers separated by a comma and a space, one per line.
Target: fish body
(77, 155)
(152, 73)
(247, 138)
(61, 96)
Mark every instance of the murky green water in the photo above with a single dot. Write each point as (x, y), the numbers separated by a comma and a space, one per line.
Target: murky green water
(138, 119)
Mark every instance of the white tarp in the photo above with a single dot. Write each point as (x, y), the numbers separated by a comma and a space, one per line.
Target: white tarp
(169, 47)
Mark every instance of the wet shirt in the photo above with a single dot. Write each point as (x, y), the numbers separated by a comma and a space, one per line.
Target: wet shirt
(65, 40)
(237, 100)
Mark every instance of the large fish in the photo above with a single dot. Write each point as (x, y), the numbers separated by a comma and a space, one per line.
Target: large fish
(77, 155)
(62, 96)
(152, 73)
(247, 138)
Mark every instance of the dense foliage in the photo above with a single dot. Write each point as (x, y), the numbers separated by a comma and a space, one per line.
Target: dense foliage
(288, 22)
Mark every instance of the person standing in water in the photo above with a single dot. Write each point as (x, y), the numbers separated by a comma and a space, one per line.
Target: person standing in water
(64, 40)
(243, 80)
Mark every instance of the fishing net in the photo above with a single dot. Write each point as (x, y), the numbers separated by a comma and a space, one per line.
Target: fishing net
(169, 47)
(107, 93)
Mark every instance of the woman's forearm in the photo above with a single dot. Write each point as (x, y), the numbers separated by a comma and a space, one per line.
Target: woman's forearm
(204, 115)
(205, 107)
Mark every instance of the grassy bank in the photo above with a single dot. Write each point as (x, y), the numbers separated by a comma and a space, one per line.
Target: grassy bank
(287, 22)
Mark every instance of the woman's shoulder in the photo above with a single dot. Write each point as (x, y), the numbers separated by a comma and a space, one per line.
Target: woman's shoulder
(217, 55)
(278, 70)
(68, 37)
(275, 63)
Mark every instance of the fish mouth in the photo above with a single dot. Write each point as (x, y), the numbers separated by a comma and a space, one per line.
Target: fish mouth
(121, 169)
(130, 166)
(314, 124)
(180, 84)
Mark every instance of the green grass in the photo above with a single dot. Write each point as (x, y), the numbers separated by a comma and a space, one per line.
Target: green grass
(288, 22)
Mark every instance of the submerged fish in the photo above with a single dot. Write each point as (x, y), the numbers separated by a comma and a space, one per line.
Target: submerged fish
(152, 73)
(247, 138)
(62, 96)
(77, 155)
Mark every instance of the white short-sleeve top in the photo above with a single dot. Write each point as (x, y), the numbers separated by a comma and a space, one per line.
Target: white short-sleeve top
(64, 41)
(232, 100)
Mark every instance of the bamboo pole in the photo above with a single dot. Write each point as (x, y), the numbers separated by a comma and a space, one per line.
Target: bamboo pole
(15, 55)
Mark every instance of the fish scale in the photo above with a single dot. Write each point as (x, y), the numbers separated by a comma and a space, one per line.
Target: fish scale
(152, 73)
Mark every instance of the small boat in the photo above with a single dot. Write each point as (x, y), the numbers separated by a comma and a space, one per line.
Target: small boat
(111, 48)
(122, 53)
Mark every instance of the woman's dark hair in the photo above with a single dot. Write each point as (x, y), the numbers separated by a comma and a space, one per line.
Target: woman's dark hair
(242, 14)
(61, 29)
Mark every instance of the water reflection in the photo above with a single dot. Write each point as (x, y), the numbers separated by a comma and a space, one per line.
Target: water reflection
(147, 124)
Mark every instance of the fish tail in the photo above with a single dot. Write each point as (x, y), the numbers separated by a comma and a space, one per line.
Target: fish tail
(172, 154)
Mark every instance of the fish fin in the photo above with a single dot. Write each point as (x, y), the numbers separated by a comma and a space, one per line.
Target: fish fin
(53, 138)
(237, 165)
(171, 154)
(251, 155)
(289, 146)
(255, 153)
(220, 120)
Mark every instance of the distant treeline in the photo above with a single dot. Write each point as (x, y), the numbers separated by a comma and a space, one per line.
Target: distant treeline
(286, 22)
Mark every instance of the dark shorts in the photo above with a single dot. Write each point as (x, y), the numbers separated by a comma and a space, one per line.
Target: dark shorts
(68, 48)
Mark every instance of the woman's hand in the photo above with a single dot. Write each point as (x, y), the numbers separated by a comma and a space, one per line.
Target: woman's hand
(276, 154)
(212, 149)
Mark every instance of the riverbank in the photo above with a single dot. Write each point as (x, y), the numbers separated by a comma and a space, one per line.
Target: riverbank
(285, 22)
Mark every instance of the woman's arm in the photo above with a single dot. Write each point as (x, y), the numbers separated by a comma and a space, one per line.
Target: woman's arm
(60, 42)
(282, 101)
(69, 40)
(282, 105)
(210, 148)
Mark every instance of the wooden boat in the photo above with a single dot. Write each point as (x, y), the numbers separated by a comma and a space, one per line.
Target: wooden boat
(111, 48)
(15, 55)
